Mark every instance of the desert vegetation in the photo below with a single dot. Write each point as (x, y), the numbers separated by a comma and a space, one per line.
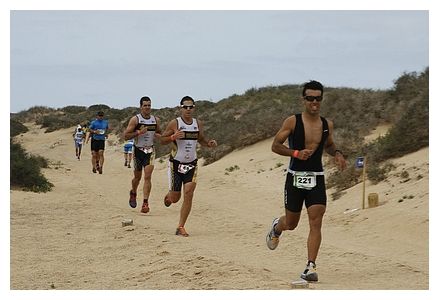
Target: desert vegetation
(241, 120)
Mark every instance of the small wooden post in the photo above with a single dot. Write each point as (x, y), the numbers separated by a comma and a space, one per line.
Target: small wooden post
(372, 200)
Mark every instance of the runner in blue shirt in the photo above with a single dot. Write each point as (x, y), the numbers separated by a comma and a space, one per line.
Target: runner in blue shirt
(128, 152)
(99, 132)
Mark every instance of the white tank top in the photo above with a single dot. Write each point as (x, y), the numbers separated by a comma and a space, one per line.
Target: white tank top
(79, 135)
(146, 139)
(185, 150)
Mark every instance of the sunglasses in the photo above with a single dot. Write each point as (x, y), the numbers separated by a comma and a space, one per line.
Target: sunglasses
(188, 106)
(312, 98)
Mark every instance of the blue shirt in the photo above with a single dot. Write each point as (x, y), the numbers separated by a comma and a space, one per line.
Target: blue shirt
(128, 145)
(101, 125)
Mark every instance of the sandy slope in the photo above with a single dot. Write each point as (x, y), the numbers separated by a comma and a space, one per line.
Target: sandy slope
(72, 238)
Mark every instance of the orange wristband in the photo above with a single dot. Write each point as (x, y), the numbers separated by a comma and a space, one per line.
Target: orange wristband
(296, 153)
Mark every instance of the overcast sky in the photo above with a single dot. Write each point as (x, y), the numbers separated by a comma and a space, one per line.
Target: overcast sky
(61, 58)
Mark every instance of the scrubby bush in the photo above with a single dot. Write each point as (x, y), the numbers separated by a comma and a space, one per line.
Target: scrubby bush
(242, 120)
(377, 173)
(17, 128)
(72, 109)
(26, 170)
(345, 179)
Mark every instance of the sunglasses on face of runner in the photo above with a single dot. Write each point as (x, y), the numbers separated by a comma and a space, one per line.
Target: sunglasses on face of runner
(187, 106)
(312, 98)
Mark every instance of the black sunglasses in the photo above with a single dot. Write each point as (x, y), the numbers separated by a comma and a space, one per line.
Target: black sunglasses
(188, 106)
(312, 98)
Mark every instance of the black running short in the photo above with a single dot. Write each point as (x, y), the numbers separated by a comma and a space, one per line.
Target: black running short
(97, 145)
(142, 159)
(294, 197)
(177, 178)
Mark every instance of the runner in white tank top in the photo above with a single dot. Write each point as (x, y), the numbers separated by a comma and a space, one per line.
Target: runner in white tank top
(184, 133)
(146, 139)
(184, 150)
(143, 128)
(79, 138)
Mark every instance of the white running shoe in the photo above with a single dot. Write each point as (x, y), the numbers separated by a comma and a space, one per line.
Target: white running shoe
(272, 238)
(310, 272)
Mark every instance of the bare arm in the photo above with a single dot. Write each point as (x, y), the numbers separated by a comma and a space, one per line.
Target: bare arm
(129, 132)
(158, 131)
(171, 133)
(87, 136)
(281, 136)
(332, 150)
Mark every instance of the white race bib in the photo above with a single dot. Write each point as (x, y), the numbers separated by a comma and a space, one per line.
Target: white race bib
(147, 150)
(101, 131)
(304, 180)
(183, 169)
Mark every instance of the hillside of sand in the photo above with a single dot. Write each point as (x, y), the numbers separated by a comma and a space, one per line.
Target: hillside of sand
(72, 238)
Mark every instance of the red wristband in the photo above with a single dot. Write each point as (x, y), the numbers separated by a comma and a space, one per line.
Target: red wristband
(296, 153)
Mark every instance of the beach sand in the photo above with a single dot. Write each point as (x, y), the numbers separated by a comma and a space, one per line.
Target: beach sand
(72, 238)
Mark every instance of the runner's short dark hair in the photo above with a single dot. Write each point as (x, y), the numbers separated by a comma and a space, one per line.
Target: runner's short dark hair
(186, 98)
(144, 98)
(312, 85)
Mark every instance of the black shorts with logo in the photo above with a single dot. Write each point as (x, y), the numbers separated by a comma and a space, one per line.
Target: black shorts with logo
(177, 178)
(294, 197)
(142, 159)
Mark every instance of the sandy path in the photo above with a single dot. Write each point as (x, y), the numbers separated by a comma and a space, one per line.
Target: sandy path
(72, 238)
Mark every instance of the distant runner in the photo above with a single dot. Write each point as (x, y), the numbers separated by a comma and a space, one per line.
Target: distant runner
(308, 135)
(184, 133)
(128, 152)
(78, 137)
(143, 128)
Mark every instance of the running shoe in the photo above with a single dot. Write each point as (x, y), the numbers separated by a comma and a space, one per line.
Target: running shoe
(100, 169)
(310, 272)
(133, 201)
(167, 201)
(126, 163)
(129, 166)
(145, 208)
(181, 231)
(272, 238)
(94, 170)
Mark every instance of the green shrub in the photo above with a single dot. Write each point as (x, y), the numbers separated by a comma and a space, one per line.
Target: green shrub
(232, 168)
(17, 128)
(26, 170)
(241, 120)
(377, 173)
(72, 109)
(346, 179)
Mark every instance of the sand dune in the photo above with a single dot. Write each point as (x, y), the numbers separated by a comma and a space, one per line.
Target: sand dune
(72, 238)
